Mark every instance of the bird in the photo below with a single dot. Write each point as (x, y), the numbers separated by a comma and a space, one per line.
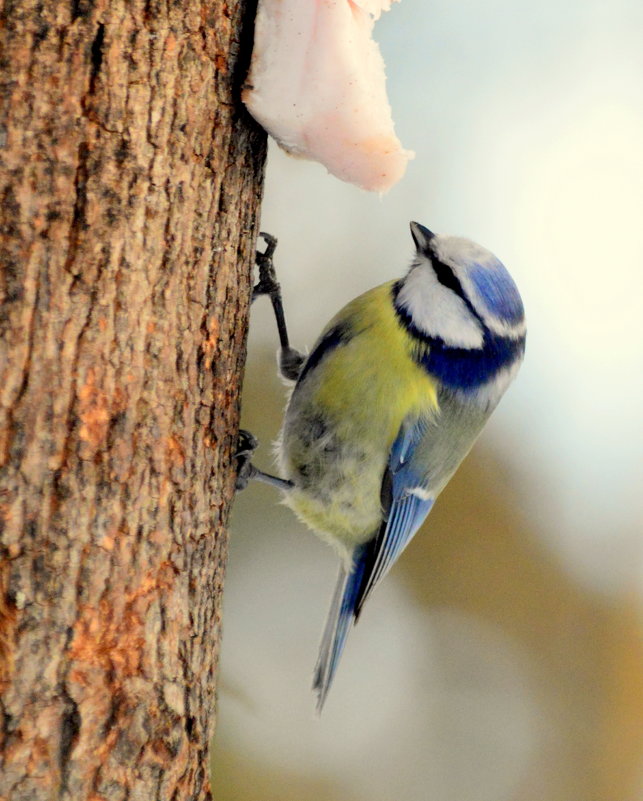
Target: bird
(386, 405)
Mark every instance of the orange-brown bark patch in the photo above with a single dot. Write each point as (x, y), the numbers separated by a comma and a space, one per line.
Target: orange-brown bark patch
(102, 640)
(93, 411)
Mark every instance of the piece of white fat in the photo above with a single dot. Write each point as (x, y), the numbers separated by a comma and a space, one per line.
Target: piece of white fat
(317, 85)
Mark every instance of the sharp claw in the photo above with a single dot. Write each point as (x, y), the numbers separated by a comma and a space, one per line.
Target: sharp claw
(246, 446)
(271, 244)
(246, 443)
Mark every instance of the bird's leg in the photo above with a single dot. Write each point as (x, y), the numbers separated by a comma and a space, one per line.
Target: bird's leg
(290, 360)
(290, 364)
(246, 471)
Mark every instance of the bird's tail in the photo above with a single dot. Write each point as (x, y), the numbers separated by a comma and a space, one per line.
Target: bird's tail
(340, 618)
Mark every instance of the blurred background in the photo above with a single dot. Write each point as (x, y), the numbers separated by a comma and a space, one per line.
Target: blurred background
(502, 659)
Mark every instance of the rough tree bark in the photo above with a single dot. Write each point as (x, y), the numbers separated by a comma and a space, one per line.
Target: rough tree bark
(130, 182)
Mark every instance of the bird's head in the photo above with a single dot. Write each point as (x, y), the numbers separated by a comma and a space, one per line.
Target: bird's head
(456, 290)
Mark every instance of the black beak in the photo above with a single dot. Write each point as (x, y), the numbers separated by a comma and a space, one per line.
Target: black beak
(421, 236)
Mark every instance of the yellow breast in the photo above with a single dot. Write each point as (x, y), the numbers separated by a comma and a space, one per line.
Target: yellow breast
(374, 379)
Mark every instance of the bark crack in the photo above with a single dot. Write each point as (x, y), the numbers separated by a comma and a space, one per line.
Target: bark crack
(80, 200)
(96, 52)
(69, 729)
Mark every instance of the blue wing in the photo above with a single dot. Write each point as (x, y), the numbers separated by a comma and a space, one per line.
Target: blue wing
(406, 501)
(405, 504)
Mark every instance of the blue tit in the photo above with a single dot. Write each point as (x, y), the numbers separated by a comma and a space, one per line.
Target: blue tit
(385, 407)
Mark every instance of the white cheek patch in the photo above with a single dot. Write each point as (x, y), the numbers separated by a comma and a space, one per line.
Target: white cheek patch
(437, 312)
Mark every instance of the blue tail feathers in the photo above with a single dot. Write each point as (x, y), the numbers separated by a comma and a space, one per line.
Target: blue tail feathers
(342, 614)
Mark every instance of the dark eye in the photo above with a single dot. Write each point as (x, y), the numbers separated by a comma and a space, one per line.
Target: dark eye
(446, 276)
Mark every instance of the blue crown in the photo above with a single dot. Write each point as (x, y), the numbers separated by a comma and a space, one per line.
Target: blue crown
(497, 292)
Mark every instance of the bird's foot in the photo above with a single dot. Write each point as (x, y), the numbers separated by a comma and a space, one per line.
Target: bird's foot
(246, 446)
(291, 362)
(267, 283)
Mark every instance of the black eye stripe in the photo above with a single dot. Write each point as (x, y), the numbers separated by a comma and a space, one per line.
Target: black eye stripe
(446, 277)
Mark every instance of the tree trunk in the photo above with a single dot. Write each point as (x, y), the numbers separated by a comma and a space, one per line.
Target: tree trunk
(130, 181)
